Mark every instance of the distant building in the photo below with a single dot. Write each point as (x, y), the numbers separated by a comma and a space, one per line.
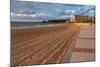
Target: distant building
(78, 18)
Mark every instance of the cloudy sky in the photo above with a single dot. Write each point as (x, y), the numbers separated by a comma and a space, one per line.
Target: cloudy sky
(36, 11)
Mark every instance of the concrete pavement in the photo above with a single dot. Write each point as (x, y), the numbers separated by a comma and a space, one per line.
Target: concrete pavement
(85, 46)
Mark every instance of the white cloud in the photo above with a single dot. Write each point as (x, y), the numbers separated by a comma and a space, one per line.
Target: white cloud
(17, 14)
(71, 11)
(91, 13)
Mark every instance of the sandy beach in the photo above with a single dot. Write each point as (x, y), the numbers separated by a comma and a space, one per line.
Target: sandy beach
(42, 45)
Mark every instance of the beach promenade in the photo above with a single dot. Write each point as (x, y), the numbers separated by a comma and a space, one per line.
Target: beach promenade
(84, 49)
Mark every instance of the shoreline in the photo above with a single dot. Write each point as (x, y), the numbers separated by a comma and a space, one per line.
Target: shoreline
(36, 26)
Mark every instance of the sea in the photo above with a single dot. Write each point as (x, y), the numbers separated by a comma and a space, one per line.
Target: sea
(20, 25)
